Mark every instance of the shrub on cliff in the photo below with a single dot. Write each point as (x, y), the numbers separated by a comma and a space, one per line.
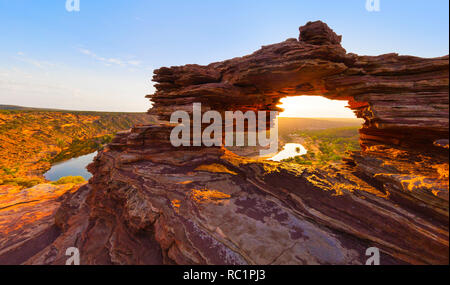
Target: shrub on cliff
(22, 181)
(69, 179)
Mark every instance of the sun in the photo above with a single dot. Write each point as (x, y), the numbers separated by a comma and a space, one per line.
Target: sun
(314, 107)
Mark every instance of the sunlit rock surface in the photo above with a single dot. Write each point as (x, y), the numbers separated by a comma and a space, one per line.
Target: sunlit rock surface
(150, 203)
(27, 219)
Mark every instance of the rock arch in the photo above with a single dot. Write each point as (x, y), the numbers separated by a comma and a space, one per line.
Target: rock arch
(404, 102)
(151, 203)
(403, 99)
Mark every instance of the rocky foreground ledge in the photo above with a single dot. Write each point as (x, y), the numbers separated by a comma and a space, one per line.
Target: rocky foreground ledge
(151, 203)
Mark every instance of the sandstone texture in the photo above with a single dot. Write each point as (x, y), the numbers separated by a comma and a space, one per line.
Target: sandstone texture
(27, 219)
(151, 203)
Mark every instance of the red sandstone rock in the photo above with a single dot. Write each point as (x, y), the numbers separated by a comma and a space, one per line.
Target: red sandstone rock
(27, 219)
(150, 203)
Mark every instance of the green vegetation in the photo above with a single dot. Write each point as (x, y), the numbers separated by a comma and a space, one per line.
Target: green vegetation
(306, 159)
(82, 147)
(60, 143)
(21, 181)
(32, 139)
(69, 179)
(11, 178)
(10, 171)
(288, 126)
(327, 146)
(31, 182)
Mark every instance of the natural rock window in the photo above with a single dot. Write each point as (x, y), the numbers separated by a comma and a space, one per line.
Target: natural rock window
(151, 203)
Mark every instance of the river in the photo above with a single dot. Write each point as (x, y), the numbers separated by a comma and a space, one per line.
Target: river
(72, 167)
(77, 166)
(289, 150)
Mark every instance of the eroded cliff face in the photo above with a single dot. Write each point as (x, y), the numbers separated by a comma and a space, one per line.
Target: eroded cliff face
(151, 203)
(27, 219)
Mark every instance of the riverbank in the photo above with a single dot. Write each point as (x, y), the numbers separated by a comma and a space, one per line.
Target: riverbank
(31, 141)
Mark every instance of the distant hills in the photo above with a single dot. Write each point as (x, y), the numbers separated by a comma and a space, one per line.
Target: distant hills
(289, 125)
(22, 108)
(15, 107)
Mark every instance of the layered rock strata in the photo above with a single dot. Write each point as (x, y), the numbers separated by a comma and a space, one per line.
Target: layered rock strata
(151, 203)
(27, 219)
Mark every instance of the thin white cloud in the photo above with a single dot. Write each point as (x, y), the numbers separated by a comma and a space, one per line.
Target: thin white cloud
(110, 61)
(85, 51)
(37, 63)
(134, 62)
(65, 88)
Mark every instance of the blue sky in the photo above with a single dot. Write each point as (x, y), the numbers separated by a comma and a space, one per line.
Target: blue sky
(102, 57)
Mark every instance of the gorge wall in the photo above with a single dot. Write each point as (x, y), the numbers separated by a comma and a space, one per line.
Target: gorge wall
(151, 203)
(31, 140)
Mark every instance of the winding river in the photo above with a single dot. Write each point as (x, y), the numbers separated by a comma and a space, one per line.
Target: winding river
(77, 166)
(289, 150)
(72, 167)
